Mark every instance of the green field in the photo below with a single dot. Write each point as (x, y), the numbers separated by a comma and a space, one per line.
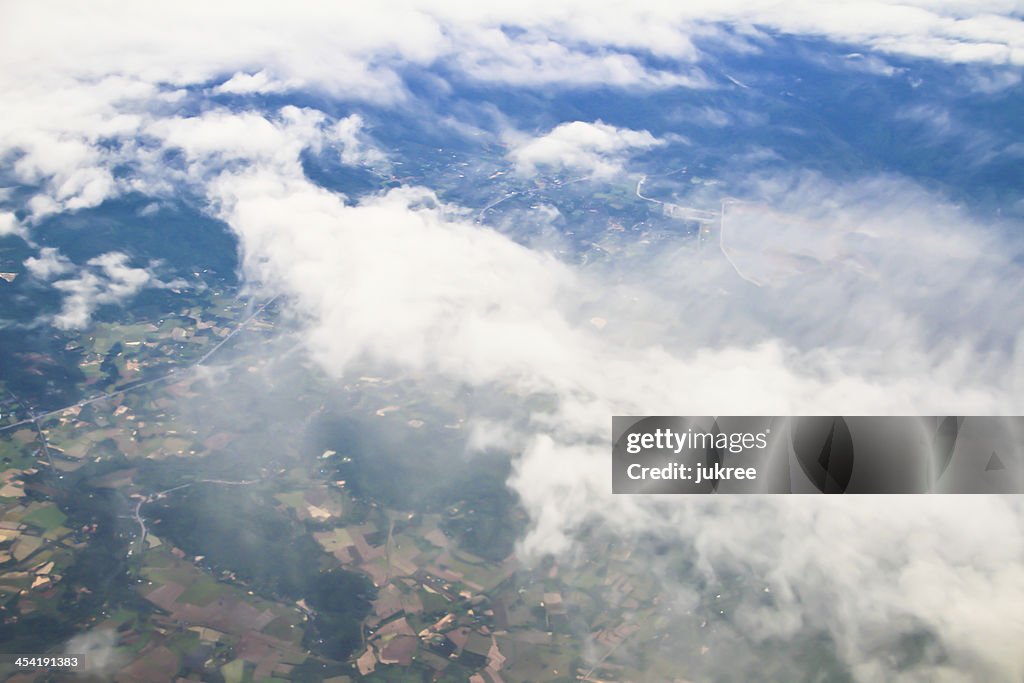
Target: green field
(47, 517)
(203, 592)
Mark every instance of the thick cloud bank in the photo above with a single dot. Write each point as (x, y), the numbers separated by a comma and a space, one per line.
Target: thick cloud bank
(403, 281)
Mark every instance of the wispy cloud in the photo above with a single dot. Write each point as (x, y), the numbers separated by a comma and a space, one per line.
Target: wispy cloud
(105, 279)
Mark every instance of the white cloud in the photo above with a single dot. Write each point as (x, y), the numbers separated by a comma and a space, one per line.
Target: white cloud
(10, 225)
(243, 84)
(870, 64)
(356, 148)
(48, 264)
(106, 279)
(495, 57)
(52, 130)
(219, 137)
(596, 149)
(98, 648)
